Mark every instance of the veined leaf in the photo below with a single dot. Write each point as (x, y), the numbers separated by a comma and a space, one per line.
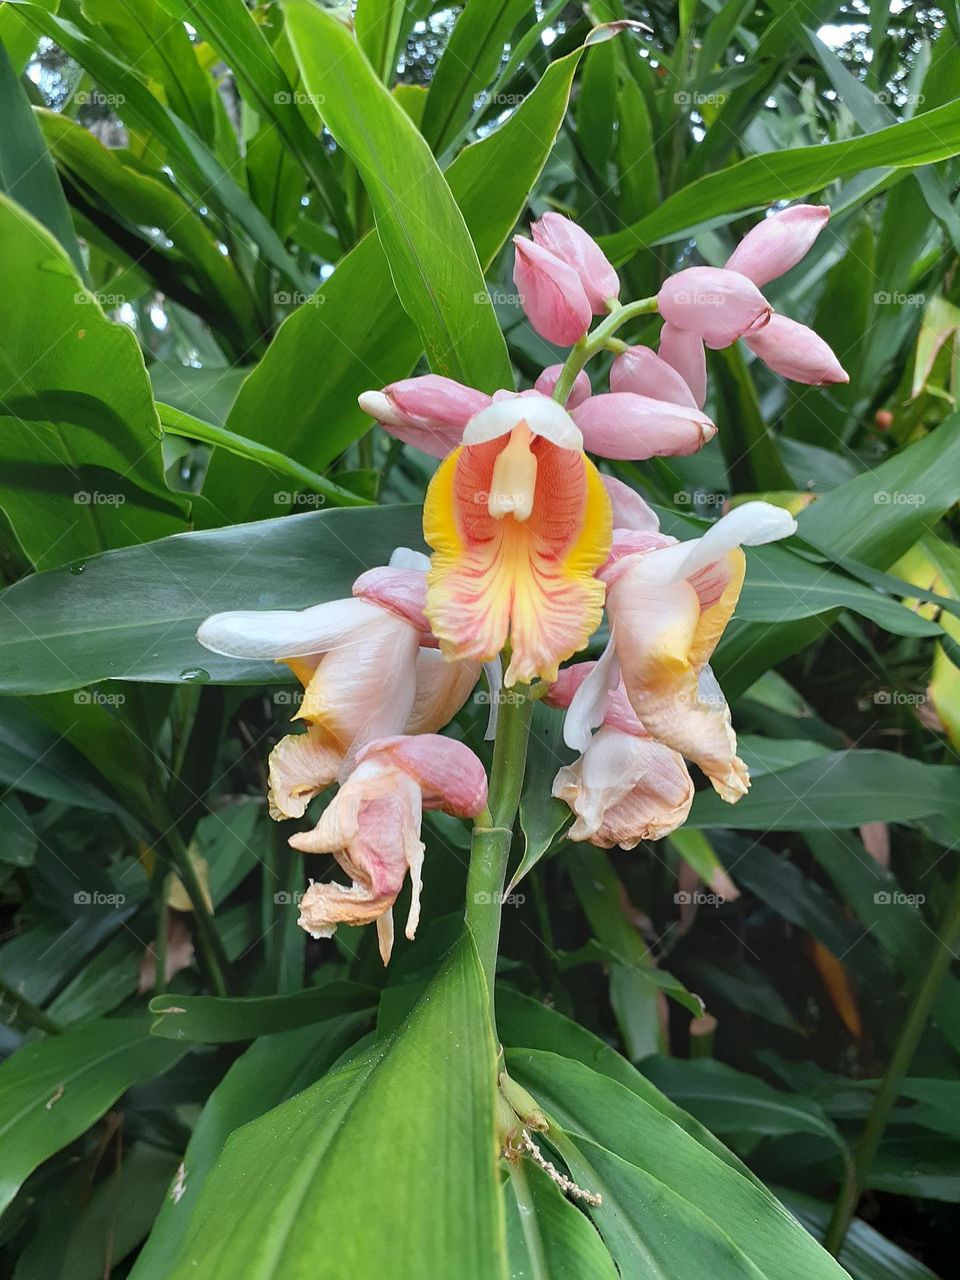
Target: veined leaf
(216, 1020)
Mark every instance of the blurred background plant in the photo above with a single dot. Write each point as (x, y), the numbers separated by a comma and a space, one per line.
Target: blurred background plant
(195, 294)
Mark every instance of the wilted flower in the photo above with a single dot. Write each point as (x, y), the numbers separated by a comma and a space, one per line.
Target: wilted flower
(372, 828)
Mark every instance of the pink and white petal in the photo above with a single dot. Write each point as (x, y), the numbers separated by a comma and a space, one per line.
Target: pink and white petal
(301, 766)
(625, 789)
(661, 644)
(449, 775)
(684, 351)
(401, 591)
(366, 690)
(629, 427)
(778, 242)
(442, 689)
(275, 634)
(629, 509)
(407, 558)
(588, 705)
(543, 415)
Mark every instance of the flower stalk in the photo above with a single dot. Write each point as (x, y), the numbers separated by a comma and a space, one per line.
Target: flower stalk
(595, 341)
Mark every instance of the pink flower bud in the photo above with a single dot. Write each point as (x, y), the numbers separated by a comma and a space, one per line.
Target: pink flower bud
(717, 305)
(684, 352)
(778, 243)
(551, 294)
(642, 371)
(580, 391)
(796, 352)
(626, 426)
(429, 412)
(579, 250)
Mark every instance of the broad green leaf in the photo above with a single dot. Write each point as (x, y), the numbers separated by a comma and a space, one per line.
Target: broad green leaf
(669, 1203)
(134, 614)
(79, 436)
(432, 259)
(37, 759)
(732, 1102)
(51, 1091)
(356, 319)
(216, 1020)
(547, 1235)
(866, 1254)
(469, 62)
(296, 1192)
(267, 1073)
(27, 174)
(784, 175)
(377, 24)
(842, 789)
(524, 1023)
(879, 515)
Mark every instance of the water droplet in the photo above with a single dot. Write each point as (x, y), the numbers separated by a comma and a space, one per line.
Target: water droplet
(194, 675)
(77, 568)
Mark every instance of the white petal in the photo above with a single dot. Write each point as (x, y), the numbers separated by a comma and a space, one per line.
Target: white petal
(751, 525)
(285, 633)
(542, 415)
(629, 509)
(404, 558)
(589, 703)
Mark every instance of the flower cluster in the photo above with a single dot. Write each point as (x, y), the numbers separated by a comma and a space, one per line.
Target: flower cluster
(531, 546)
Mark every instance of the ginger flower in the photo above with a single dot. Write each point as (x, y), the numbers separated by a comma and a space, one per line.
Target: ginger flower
(519, 522)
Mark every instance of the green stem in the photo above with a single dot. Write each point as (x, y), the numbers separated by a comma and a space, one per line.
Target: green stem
(210, 944)
(22, 1010)
(160, 942)
(936, 969)
(595, 341)
(493, 832)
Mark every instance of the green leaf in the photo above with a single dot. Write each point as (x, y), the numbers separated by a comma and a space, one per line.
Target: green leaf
(469, 62)
(432, 259)
(18, 840)
(267, 1073)
(783, 175)
(842, 789)
(27, 173)
(216, 1020)
(879, 515)
(866, 1254)
(356, 319)
(134, 614)
(670, 1207)
(732, 1102)
(79, 437)
(295, 1192)
(232, 30)
(541, 816)
(38, 759)
(547, 1235)
(53, 1090)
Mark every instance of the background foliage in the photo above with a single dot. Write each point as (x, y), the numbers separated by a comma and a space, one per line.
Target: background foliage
(219, 224)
